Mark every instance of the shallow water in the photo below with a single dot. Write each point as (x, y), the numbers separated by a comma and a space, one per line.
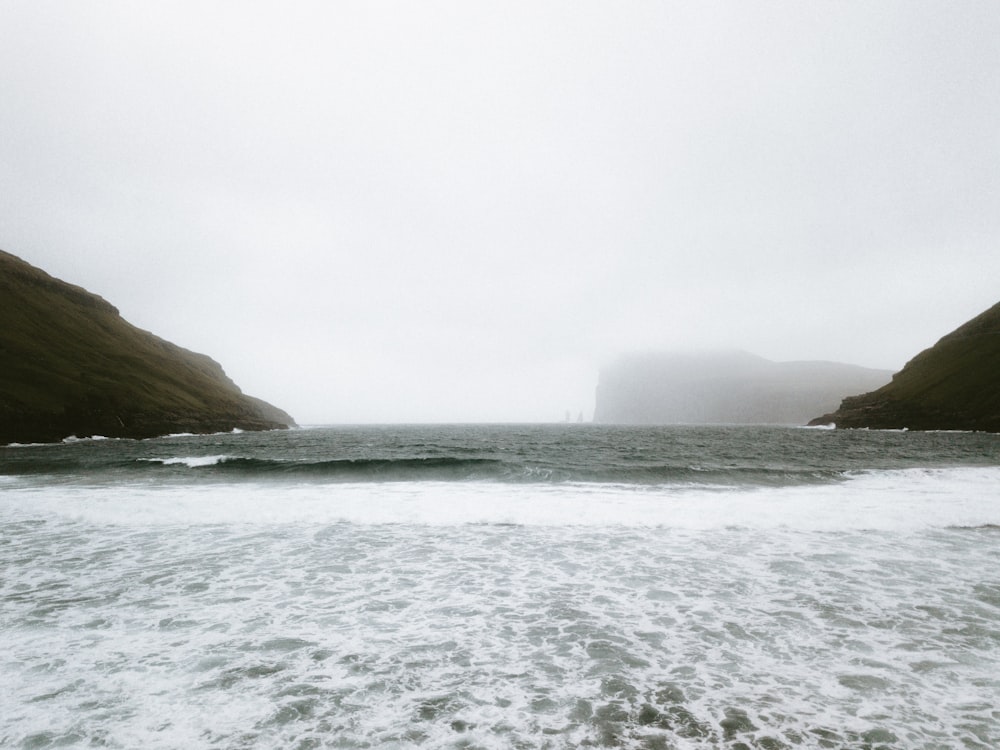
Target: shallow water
(163, 607)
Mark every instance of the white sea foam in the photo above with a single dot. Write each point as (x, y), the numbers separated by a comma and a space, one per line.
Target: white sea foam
(401, 635)
(859, 613)
(907, 499)
(192, 462)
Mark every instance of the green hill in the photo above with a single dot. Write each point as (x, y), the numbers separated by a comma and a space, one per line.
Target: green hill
(70, 365)
(954, 385)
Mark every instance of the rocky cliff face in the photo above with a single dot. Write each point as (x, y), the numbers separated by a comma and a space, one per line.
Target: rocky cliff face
(70, 365)
(723, 388)
(954, 385)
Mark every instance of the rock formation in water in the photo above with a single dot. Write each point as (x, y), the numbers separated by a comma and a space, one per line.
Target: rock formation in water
(723, 388)
(954, 385)
(70, 365)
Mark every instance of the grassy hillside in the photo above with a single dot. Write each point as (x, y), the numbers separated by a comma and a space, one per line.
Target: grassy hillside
(69, 364)
(954, 385)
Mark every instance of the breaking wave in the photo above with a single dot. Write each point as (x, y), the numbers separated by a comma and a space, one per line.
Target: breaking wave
(449, 468)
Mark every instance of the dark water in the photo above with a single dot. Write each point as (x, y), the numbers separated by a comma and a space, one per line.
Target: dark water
(503, 586)
(731, 456)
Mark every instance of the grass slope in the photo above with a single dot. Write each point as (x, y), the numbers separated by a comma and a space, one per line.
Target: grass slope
(954, 385)
(69, 364)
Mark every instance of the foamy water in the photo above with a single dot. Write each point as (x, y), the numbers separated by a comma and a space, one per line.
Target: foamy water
(905, 499)
(139, 611)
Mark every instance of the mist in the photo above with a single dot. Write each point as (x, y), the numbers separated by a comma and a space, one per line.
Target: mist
(384, 212)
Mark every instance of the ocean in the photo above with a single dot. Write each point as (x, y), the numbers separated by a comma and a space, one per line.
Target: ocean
(503, 586)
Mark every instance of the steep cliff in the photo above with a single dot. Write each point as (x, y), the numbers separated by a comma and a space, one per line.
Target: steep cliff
(954, 385)
(70, 365)
(723, 388)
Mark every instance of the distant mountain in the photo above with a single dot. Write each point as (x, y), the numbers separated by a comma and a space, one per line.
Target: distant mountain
(954, 385)
(70, 365)
(723, 388)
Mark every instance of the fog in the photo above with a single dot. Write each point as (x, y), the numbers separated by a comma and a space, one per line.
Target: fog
(441, 211)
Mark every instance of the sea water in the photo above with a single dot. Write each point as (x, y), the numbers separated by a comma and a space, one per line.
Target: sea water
(503, 587)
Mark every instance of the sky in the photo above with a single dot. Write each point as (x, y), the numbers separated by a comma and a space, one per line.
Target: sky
(459, 211)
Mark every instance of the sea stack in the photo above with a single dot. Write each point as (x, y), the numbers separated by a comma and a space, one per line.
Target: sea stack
(954, 385)
(71, 365)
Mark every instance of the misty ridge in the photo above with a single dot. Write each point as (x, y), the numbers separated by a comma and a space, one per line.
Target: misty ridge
(73, 365)
(724, 387)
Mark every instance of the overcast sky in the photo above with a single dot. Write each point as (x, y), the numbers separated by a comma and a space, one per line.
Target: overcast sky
(457, 211)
